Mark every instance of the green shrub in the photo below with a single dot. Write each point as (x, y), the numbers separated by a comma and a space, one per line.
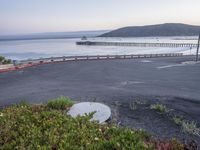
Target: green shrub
(187, 126)
(190, 127)
(37, 127)
(137, 102)
(7, 61)
(60, 103)
(178, 120)
(160, 107)
(3, 60)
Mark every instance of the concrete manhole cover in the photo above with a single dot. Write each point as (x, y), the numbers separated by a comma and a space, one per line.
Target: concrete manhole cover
(103, 112)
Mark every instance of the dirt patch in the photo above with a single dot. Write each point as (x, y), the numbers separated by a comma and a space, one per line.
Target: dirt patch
(136, 113)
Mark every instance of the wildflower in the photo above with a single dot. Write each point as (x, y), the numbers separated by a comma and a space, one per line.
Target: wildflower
(96, 138)
(1, 114)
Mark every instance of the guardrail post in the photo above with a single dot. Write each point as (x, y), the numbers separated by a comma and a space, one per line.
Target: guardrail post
(197, 54)
(132, 56)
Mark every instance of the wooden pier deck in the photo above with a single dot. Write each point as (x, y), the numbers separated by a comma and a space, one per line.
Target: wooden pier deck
(134, 44)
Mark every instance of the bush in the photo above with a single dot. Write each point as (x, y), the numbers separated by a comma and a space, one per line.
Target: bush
(37, 127)
(4, 61)
(160, 107)
(190, 127)
(178, 120)
(1, 58)
(187, 126)
(60, 103)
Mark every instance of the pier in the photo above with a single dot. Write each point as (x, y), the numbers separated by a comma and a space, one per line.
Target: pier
(134, 44)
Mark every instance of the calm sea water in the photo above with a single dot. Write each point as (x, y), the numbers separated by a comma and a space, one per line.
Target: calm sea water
(25, 49)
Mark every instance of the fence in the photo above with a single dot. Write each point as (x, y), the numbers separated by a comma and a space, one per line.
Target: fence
(35, 62)
(98, 57)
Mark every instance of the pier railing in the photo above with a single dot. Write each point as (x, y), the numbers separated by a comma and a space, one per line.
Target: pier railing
(134, 44)
(97, 57)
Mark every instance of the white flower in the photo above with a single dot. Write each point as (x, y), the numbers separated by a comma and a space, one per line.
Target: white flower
(96, 139)
(1, 114)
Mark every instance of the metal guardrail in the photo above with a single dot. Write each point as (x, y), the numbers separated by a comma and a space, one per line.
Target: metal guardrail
(35, 62)
(97, 57)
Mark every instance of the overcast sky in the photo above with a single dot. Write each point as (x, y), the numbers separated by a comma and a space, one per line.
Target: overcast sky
(33, 16)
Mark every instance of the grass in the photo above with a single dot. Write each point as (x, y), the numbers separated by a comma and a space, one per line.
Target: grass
(187, 126)
(190, 127)
(47, 127)
(60, 103)
(160, 107)
(178, 120)
(134, 105)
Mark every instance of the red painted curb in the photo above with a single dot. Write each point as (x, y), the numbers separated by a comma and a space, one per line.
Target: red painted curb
(20, 67)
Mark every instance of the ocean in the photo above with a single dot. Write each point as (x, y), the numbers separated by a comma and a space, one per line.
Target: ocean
(33, 49)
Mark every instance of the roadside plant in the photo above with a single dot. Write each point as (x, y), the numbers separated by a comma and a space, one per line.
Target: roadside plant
(60, 103)
(134, 105)
(187, 126)
(191, 127)
(178, 120)
(159, 107)
(47, 126)
(3, 60)
(38, 127)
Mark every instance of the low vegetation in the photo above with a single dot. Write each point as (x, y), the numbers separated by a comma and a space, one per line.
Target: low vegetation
(48, 127)
(4, 61)
(178, 120)
(187, 126)
(137, 102)
(160, 107)
(61, 103)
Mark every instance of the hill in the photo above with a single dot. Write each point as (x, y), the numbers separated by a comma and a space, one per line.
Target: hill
(168, 29)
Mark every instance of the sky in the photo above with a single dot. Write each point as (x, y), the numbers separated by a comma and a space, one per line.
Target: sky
(35, 16)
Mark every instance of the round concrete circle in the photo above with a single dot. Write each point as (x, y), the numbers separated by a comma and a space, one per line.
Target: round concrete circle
(102, 112)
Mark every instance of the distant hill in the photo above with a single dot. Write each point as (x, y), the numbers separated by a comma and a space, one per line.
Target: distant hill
(54, 35)
(168, 29)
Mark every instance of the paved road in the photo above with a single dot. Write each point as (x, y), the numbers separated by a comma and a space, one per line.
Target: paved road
(105, 78)
(116, 83)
